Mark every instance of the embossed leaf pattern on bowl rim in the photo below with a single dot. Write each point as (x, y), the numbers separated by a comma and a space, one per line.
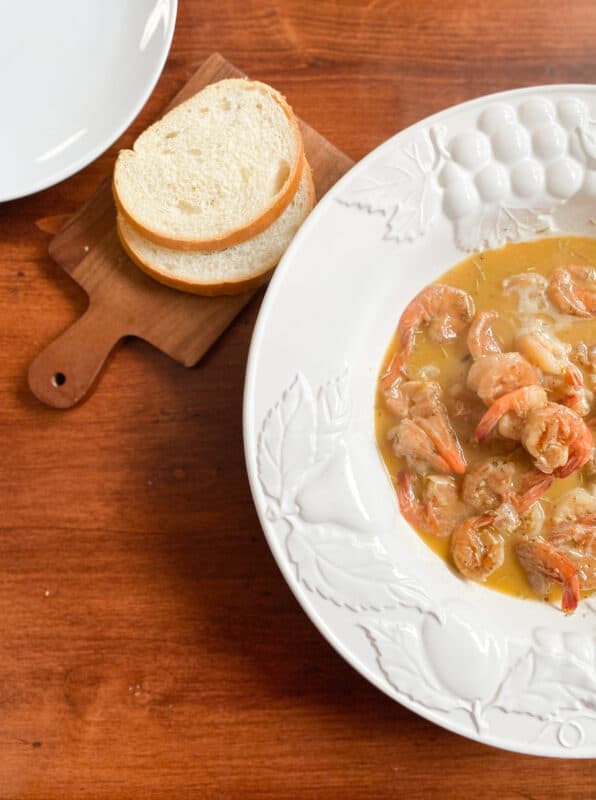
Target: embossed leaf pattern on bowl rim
(513, 673)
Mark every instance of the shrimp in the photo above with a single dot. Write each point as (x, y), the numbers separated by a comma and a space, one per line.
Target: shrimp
(428, 435)
(446, 311)
(506, 519)
(411, 442)
(530, 489)
(531, 522)
(579, 400)
(581, 532)
(561, 375)
(406, 398)
(392, 376)
(392, 393)
(500, 373)
(573, 290)
(481, 340)
(574, 531)
(442, 508)
(558, 439)
(544, 350)
(489, 484)
(574, 520)
(477, 548)
(578, 539)
(512, 409)
(572, 505)
(590, 465)
(584, 355)
(541, 560)
(420, 398)
(549, 354)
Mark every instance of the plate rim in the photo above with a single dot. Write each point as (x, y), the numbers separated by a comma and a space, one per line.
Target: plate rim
(104, 144)
(284, 566)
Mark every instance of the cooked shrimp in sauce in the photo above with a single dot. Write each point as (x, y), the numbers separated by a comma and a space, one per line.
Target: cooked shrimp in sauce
(486, 418)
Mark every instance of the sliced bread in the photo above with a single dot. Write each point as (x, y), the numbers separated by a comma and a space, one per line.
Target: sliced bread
(213, 172)
(232, 271)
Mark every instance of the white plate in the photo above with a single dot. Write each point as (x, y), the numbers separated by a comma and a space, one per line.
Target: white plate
(73, 76)
(513, 673)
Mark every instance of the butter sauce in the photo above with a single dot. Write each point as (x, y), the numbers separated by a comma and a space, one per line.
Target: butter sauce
(489, 278)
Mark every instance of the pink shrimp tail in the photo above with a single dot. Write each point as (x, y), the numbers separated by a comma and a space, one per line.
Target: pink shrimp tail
(575, 379)
(570, 597)
(576, 530)
(408, 502)
(393, 372)
(574, 375)
(581, 452)
(447, 446)
(541, 556)
(518, 401)
(456, 460)
(489, 420)
(409, 321)
(498, 409)
(539, 484)
(575, 462)
(566, 295)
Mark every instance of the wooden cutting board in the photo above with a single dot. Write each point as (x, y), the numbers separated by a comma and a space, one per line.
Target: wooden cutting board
(123, 301)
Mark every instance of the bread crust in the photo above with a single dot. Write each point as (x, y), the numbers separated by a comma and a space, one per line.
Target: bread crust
(212, 289)
(254, 226)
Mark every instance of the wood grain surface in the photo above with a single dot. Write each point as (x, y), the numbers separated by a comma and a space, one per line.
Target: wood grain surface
(149, 646)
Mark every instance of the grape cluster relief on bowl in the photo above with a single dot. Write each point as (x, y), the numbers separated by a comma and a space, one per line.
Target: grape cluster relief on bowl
(313, 502)
(524, 169)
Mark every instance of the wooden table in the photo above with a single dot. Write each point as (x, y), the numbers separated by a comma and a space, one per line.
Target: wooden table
(149, 647)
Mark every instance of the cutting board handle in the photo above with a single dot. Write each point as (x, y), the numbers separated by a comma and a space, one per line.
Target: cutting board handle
(63, 373)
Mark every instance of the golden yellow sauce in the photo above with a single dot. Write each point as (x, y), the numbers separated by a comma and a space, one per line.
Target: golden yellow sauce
(482, 276)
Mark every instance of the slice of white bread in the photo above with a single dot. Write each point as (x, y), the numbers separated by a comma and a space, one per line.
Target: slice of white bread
(237, 269)
(213, 172)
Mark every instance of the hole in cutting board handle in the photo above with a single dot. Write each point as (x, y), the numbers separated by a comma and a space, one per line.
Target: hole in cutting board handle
(59, 379)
